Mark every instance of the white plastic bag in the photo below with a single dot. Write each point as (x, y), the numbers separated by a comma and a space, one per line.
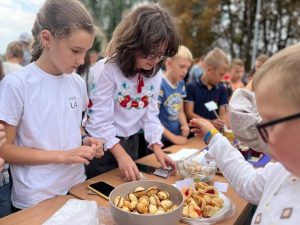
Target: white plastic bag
(75, 212)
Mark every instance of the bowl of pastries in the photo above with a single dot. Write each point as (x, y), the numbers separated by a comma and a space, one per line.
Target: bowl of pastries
(204, 203)
(197, 166)
(146, 202)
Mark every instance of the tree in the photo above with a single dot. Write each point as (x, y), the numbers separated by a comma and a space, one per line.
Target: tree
(229, 24)
(108, 13)
(195, 20)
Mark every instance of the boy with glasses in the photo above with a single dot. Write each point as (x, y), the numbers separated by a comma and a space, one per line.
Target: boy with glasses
(275, 188)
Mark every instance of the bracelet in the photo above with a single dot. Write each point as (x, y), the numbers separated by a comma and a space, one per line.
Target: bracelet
(209, 135)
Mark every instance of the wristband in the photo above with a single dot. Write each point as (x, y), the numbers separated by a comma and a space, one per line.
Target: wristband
(209, 135)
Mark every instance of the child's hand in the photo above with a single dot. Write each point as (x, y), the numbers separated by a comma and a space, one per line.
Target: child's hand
(128, 168)
(163, 159)
(185, 130)
(96, 144)
(2, 136)
(200, 126)
(81, 154)
(1, 164)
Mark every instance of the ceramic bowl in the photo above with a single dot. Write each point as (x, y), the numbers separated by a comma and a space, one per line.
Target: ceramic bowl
(125, 218)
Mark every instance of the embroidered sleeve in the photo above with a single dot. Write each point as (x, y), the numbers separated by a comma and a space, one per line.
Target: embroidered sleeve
(99, 122)
(152, 126)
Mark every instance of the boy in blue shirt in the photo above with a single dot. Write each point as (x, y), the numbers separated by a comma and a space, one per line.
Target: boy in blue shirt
(207, 89)
(172, 92)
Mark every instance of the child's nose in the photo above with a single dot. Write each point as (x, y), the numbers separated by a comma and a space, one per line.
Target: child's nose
(80, 60)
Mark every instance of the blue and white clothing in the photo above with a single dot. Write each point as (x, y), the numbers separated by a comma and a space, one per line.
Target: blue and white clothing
(170, 98)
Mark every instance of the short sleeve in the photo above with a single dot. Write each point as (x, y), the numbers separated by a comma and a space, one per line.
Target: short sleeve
(11, 100)
(223, 96)
(190, 95)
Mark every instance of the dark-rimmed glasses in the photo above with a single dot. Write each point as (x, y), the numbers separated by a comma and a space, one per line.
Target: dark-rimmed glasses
(161, 57)
(262, 127)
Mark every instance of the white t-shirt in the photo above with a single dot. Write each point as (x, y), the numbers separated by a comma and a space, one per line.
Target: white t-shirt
(9, 67)
(47, 111)
(273, 188)
(117, 109)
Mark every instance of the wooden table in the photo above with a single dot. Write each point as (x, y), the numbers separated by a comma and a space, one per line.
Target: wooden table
(113, 177)
(37, 214)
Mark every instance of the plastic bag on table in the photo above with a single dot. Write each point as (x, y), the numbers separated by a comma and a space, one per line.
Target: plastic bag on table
(225, 213)
(75, 212)
(104, 216)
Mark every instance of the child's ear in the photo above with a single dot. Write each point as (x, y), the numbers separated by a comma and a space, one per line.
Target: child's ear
(45, 37)
(208, 69)
(168, 62)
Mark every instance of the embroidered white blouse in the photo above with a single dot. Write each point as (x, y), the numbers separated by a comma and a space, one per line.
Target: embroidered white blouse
(273, 188)
(117, 109)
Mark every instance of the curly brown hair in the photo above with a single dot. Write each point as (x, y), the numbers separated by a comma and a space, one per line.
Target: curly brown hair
(144, 29)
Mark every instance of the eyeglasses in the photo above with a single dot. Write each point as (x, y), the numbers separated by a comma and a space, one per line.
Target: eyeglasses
(161, 57)
(262, 127)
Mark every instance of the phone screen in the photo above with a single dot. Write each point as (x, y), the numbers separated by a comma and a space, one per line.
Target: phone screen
(145, 168)
(153, 170)
(101, 188)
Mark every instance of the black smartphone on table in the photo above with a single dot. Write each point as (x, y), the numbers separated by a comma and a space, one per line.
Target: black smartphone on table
(101, 188)
(154, 170)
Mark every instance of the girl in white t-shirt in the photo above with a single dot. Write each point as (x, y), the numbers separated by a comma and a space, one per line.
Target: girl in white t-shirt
(126, 88)
(41, 107)
(276, 187)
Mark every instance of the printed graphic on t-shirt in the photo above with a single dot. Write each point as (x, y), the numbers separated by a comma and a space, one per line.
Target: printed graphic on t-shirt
(73, 102)
(172, 105)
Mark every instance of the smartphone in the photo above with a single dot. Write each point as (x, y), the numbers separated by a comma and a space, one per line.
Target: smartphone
(101, 188)
(153, 170)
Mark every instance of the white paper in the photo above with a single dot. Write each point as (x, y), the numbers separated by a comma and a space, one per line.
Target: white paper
(75, 212)
(222, 187)
(183, 153)
(187, 182)
(211, 106)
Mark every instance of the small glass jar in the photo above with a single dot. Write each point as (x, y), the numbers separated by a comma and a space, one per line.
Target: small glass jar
(197, 167)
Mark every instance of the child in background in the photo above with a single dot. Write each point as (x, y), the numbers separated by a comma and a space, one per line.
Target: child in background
(14, 58)
(172, 92)
(197, 70)
(41, 107)
(260, 60)
(126, 88)
(237, 70)
(208, 88)
(25, 40)
(276, 187)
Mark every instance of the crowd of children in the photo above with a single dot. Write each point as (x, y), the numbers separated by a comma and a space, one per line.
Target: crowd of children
(51, 126)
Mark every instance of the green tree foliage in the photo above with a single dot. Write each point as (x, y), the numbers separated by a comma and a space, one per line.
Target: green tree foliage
(229, 24)
(195, 20)
(108, 13)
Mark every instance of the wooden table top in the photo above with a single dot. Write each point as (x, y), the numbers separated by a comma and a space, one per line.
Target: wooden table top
(37, 214)
(114, 178)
